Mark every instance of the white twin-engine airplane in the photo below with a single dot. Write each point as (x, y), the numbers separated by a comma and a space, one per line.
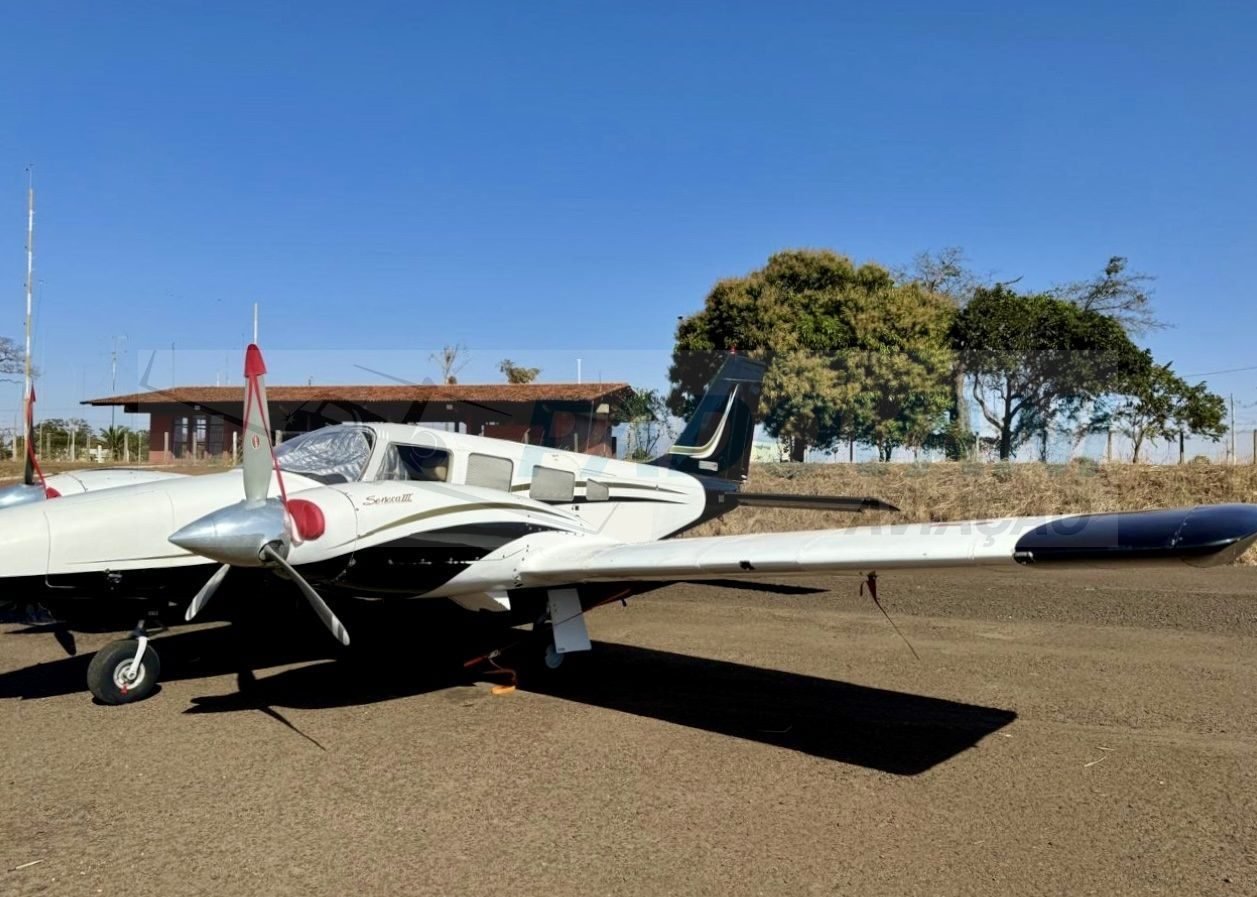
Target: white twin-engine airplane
(529, 533)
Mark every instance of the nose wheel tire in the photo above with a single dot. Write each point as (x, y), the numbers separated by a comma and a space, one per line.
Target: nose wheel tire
(111, 679)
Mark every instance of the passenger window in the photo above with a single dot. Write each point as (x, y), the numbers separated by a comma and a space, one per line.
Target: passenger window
(596, 491)
(414, 462)
(490, 471)
(549, 484)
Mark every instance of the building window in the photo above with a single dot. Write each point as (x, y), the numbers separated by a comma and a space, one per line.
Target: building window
(490, 471)
(549, 484)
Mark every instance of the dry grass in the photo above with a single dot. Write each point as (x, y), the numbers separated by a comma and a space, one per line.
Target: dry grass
(11, 471)
(941, 492)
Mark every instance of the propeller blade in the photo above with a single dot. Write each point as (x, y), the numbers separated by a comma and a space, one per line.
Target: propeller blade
(316, 601)
(207, 592)
(258, 458)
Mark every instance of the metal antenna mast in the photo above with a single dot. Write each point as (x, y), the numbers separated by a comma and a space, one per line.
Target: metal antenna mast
(30, 276)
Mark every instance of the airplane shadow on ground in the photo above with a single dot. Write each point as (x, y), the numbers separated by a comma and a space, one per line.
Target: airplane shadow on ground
(890, 731)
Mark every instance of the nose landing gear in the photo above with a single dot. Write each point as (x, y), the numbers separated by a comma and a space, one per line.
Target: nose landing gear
(124, 671)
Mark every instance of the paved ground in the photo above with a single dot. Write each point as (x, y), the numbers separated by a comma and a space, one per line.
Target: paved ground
(1066, 735)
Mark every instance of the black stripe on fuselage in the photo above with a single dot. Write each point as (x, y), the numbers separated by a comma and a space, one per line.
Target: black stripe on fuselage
(420, 562)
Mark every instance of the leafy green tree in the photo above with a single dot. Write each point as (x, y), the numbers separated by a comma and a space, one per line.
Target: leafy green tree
(645, 414)
(515, 373)
(1159, 405)
(851, 353)
(1035, 359)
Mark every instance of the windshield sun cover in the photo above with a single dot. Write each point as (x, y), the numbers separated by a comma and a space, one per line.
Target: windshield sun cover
(331, 455)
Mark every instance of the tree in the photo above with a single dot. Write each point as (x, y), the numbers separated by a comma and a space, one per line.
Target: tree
(517, 374)
(845, 345)
(12, 360)
(1115, 293)
(946, 272)
(1033, 359)
(55, 435)
(899, 377)
(645, 414)
(115, 440)
(1159, 405)
(451, 360)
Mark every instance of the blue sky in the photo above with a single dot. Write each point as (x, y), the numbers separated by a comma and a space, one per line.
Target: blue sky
(556, 180)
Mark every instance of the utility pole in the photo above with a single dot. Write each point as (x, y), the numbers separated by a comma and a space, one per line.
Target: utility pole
(113, 378)
(28, 389)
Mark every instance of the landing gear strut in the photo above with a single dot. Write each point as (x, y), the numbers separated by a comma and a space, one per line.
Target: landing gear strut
(560, 630)
(125, 671)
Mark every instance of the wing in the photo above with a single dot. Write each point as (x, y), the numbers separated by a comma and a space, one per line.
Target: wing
(1202, 536)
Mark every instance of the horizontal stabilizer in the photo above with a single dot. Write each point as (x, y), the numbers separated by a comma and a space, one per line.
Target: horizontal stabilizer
(798, 502)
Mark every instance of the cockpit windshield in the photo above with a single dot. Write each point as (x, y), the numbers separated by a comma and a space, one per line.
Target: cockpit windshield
(331, 455)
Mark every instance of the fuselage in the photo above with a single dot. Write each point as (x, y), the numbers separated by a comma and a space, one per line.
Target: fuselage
(406, 508)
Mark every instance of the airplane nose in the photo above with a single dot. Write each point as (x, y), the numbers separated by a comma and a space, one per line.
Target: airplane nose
(234, 535)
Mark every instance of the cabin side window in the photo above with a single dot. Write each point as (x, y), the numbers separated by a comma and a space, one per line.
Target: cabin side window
(490, 471)
(550, 484)
(414, 462)
(596, 491)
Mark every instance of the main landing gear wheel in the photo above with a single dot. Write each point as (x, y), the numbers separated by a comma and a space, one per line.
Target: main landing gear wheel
(543, 658)
(113, 677)
(551, 659)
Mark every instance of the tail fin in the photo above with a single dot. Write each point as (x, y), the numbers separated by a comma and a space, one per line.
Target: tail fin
(716, 441)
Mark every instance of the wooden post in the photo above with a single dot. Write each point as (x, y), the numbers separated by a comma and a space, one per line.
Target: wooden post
(73, 433)
(235, 445)
(126, 448)
(165, 438)
(1108, 447)
(850, 451)
(1182, 447)
(1234, 460)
